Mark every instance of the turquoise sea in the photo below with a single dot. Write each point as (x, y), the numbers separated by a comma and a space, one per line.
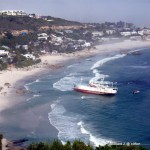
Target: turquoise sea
(54, 110)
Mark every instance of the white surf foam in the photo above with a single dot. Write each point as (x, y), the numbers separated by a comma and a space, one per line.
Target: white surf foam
(31, 98)
(87, 97)
(71, 66)
(101, 62)
(98, 74)
(37, 80)
(65, 124)
(140, 67)
(135, 50)
(70, 126)
(67, 83)
(36, 95)
(95, 140)
(28, 84)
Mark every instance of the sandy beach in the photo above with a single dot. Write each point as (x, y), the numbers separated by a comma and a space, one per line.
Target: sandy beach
(10, 77)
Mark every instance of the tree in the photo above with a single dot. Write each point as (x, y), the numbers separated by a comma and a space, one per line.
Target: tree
(79, 145)
(3, 66)
(9, 35)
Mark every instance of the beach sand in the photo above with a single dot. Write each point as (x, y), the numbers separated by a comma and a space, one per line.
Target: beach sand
(13, 75)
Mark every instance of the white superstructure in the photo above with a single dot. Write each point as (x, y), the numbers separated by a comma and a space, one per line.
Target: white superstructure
(99, 88)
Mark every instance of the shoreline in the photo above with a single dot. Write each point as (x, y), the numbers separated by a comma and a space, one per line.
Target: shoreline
(53, 62)
(50, 64)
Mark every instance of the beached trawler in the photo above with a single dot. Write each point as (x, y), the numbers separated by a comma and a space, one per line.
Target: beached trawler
(99, 88)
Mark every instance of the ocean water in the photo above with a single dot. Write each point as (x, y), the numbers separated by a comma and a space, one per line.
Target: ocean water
(54, 110)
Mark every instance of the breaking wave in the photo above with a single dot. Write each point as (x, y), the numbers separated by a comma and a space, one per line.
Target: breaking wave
(97, 73)
(28, 84)
(34, 96)
(94, 139)
(140, 67)
(67, 83)
(71, 66)
(101, 62)
(65, 124)
(70, 126)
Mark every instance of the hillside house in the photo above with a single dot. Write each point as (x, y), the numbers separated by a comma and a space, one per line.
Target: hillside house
(42, 36)
(31, 56)
(134, 32)
(68, 31)
(86, 44)
(146, 31)
(56, 39)
(147, 38)
(3, 53)
(13, 13)
(26, 47)
(96, 33)
(140, 32)
(136, 38)
(5, 47)
(110, 32)
(125, 33)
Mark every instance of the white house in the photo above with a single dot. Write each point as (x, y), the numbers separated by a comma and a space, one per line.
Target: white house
(136, 38)
(29, 56)
(54, 52)
(44, 51)
(105, 39)
(133, 32)
(147, 38)
(68, 31)
(146, 31)
(56, 39)
(86, 44)
(42, 36)
(5, 47)
(140, 32)
(81, 41)
(22, 46)
(50, 20)
(125, 33)
(96, 33)
(13, 13)
(25, 47)
(110, 32)
(4, 53)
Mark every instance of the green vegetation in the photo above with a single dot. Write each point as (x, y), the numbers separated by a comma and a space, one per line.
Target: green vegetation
(79, 145)
(3, 65)
(57, 145)
(9, 23)
(20, 61)
(11, 41)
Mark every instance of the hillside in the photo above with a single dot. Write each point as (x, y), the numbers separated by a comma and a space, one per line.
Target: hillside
(9, 23)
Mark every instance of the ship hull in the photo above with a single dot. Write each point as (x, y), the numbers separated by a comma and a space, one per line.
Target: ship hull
(94, 90)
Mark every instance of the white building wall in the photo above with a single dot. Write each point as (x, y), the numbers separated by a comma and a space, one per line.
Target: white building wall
(13, 13)
(125, 33)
